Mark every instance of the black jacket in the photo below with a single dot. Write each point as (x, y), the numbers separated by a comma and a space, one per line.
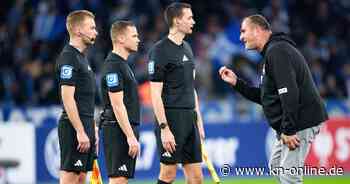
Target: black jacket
(287, 92)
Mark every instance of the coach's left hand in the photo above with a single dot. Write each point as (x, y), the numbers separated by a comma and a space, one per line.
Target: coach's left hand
(292, 141)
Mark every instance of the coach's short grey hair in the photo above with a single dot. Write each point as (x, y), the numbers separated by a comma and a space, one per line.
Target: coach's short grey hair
(260, 21)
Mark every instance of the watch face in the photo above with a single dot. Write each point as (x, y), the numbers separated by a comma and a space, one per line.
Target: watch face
(162, 125)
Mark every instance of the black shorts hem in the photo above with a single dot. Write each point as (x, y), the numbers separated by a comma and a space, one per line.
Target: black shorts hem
(169, 162)
(192, 162)
(75, 170)
(119, 174)
(180, 162)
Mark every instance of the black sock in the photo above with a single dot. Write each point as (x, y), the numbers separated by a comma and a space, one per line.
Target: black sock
(162, 182)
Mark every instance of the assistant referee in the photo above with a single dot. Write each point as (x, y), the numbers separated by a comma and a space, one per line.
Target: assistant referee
(76, 127)
(121, 113)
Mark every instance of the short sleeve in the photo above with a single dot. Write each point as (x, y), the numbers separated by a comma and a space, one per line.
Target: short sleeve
(156, 65)
(114, 79)
(67, 69)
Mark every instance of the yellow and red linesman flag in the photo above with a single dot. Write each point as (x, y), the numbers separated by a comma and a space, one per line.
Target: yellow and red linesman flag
(95, 175)
(214, 175)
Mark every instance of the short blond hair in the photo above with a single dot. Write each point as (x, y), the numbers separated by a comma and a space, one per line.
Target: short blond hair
(119, 27)
(75, 18)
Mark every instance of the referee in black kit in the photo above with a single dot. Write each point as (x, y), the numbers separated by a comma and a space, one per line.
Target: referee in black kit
(76, 128)
(171, 70)
(121, 114)
(287, 93)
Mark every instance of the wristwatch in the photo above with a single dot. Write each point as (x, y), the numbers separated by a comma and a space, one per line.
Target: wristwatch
(163, 125)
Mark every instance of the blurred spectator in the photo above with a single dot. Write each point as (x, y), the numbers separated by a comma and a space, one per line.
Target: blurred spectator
(15, 14)
(311, 49)
(318, 74)
(346, 77)
(202, 45)
(48, 24)
(277, 14)
(332, 91)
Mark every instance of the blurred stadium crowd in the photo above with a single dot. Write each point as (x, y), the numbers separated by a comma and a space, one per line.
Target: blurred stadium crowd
(32, 33)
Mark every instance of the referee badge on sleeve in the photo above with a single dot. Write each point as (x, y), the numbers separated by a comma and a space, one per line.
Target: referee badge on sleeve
(151, 67)
(112, 80)
(66, 72)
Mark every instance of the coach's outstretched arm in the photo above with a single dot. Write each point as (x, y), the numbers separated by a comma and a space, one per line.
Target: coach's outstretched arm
(251, 93)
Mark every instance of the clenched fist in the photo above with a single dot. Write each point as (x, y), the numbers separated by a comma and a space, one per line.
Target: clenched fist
(228, 75)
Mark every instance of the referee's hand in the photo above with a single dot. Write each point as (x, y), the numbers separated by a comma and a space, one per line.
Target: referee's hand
(134, 146)
(83, 142)
(168, 140)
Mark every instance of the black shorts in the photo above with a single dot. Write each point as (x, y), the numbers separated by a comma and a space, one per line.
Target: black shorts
(183, 125)
(71, 159)
(116, 148)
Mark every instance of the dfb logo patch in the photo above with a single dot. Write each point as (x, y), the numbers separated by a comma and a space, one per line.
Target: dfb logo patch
(66, 72)
(112, 80)
(151, 67)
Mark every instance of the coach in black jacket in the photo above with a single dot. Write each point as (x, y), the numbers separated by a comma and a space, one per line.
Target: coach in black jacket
(290, 100)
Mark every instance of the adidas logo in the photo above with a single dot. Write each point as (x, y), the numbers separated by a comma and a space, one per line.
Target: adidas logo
(185, 58)
(123, 168)
(166, 154)
(78, 163)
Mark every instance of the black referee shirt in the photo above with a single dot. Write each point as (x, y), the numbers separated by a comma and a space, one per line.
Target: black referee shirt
(72, 68)
(174, 66)
(117, 76)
